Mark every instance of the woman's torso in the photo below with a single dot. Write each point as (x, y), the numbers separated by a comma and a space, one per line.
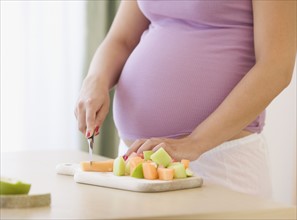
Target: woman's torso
(191, 57)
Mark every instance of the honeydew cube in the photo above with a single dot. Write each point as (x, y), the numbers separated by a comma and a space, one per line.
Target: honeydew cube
(179, 170)
(189, 172)
(161, 157)
(138, 172)
(119, 166)
(147, 154)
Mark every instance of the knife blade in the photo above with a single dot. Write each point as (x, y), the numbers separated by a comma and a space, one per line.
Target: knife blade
(91, 142)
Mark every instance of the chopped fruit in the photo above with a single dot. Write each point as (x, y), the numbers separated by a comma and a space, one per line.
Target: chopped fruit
(10, 187)
(148, 165)
(161, 157)
(179, 170)
(165, 173)
(149, 170)
(173, 163)
(189, 172)
(134, 163)
(137, 172)
(185, 162)
(119, 166)
(97, 166)
(127, 168)
(147, 154)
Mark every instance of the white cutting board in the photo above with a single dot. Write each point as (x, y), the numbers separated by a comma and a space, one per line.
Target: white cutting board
(108, 179)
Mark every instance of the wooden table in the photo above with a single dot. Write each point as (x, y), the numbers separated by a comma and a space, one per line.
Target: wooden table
(78, 201)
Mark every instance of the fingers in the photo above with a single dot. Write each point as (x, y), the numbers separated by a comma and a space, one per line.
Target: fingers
(149, 144)
(90, 119)
(159, 146)
(80, 114)
(134, 147)
(100, 116)
(90, 116)
(141, 145)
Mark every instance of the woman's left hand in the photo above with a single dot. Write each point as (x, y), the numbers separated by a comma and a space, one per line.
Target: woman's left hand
(183, 148)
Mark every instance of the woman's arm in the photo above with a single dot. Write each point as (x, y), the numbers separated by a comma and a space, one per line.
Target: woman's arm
(122, 38)
(275, 48)
(107, 63)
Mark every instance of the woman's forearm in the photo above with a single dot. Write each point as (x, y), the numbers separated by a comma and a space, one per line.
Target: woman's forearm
(245, 102)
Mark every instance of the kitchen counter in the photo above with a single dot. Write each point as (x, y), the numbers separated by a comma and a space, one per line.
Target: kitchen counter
(79, 201)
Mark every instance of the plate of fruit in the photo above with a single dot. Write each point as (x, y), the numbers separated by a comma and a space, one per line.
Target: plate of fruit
(148, 172)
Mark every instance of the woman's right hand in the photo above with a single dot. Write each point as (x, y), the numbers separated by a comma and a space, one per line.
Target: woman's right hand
(92, 105)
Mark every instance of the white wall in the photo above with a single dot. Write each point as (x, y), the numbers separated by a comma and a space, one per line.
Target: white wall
(42, 55)
(280, 132)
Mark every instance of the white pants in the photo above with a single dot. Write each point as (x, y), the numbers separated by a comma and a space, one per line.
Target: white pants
(242, 165)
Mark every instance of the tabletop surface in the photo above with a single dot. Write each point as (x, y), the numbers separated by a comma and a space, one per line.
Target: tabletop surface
(79, 201)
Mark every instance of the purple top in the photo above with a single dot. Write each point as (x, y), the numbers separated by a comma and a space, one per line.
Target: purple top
(186, 63)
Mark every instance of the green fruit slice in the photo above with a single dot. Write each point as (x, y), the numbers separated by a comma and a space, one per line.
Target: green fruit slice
(189, 172)
(161, 157)
(147, 154)
(179, 170)
(138, 172)
(119, 166)
(11, 187)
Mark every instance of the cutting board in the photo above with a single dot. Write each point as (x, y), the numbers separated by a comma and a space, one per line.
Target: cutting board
(108, 179)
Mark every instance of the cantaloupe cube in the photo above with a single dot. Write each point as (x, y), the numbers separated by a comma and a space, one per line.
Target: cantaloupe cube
(150, 170)
(97, 166)
(134, 162)
(165, 173)
(185, 162)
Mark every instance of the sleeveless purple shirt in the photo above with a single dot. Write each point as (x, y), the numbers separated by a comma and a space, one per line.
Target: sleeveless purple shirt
(186, 63)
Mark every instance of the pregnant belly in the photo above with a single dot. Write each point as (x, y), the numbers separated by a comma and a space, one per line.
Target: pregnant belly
(168, 87)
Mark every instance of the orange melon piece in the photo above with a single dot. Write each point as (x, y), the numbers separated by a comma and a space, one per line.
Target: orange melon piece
(165, 173)
(185, 162)
(97, 166)
(149, 170)
(134, 162)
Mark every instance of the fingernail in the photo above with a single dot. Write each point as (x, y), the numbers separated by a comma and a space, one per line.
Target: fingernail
(97, 130)
(125, 157)
(88, 134)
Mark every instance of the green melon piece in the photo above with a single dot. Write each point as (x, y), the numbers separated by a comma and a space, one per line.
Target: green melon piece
(179, 170)
(119, 166)
(11, 187)
(138, 172)
(147, 154)
(174, 163)
(161, 157)
(189, 172)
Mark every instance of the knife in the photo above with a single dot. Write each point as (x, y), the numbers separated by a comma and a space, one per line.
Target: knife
(91, 142)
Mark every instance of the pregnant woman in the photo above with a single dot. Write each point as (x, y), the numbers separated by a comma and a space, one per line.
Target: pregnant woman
(194, 77)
